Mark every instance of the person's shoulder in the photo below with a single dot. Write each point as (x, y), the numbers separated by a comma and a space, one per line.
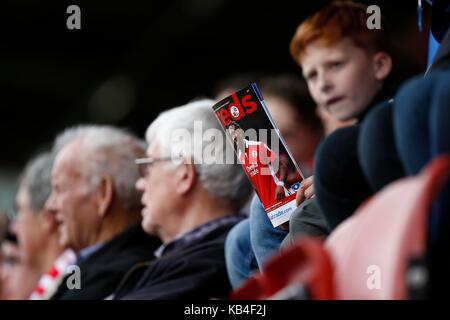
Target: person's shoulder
(214, 239)
(131, 238)
(129, 247)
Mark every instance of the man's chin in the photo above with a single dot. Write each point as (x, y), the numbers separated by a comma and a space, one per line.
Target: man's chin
(150, 231)
(148, 227)
(64, 241)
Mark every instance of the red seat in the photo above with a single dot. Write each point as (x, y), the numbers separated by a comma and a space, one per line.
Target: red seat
(372, 249)
(301, 271)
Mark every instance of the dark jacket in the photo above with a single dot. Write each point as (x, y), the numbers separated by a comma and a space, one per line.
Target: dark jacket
(195, 270)
(102, 271)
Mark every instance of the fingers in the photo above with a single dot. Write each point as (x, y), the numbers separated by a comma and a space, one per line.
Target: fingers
(300, 196)
(307, 182)
(309, 193)
(306, 190)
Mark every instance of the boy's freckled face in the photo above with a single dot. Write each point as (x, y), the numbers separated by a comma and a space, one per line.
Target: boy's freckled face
(341, 77)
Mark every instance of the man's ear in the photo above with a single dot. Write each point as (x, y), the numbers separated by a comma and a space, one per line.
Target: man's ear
(105, 192)
(186, 177)
(382, 63)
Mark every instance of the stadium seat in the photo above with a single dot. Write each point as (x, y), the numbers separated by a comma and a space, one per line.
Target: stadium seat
(302, 271)
(379, 252)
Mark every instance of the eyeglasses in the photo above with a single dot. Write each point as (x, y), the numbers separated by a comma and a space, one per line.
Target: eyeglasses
(144, 164)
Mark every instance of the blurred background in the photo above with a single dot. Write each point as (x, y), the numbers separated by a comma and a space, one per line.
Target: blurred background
(133, 59)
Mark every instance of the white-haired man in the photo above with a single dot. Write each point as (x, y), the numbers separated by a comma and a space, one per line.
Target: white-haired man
(191, 198)
(94, 199)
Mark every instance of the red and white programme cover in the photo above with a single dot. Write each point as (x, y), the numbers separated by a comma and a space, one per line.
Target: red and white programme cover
(261, 150)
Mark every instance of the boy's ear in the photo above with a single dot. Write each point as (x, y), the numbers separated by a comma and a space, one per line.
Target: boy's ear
(382, 63)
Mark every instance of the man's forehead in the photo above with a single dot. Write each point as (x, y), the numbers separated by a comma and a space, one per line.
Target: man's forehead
(70, 151)
(153, 149)
(22, 196)
(67, 161)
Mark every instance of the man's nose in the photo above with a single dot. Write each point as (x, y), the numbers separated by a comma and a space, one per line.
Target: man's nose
(50, 203)
(140, 184)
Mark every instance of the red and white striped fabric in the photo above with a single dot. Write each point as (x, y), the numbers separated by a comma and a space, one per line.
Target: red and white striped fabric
(50, 281)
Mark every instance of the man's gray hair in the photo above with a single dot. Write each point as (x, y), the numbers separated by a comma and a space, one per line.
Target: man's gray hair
(36, 179)
(110, 151)
(225, 180)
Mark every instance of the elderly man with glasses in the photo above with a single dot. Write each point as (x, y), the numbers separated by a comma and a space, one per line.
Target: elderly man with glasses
(191, 198)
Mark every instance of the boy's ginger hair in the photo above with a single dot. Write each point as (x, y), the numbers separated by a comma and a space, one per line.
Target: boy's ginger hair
(339, 20)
